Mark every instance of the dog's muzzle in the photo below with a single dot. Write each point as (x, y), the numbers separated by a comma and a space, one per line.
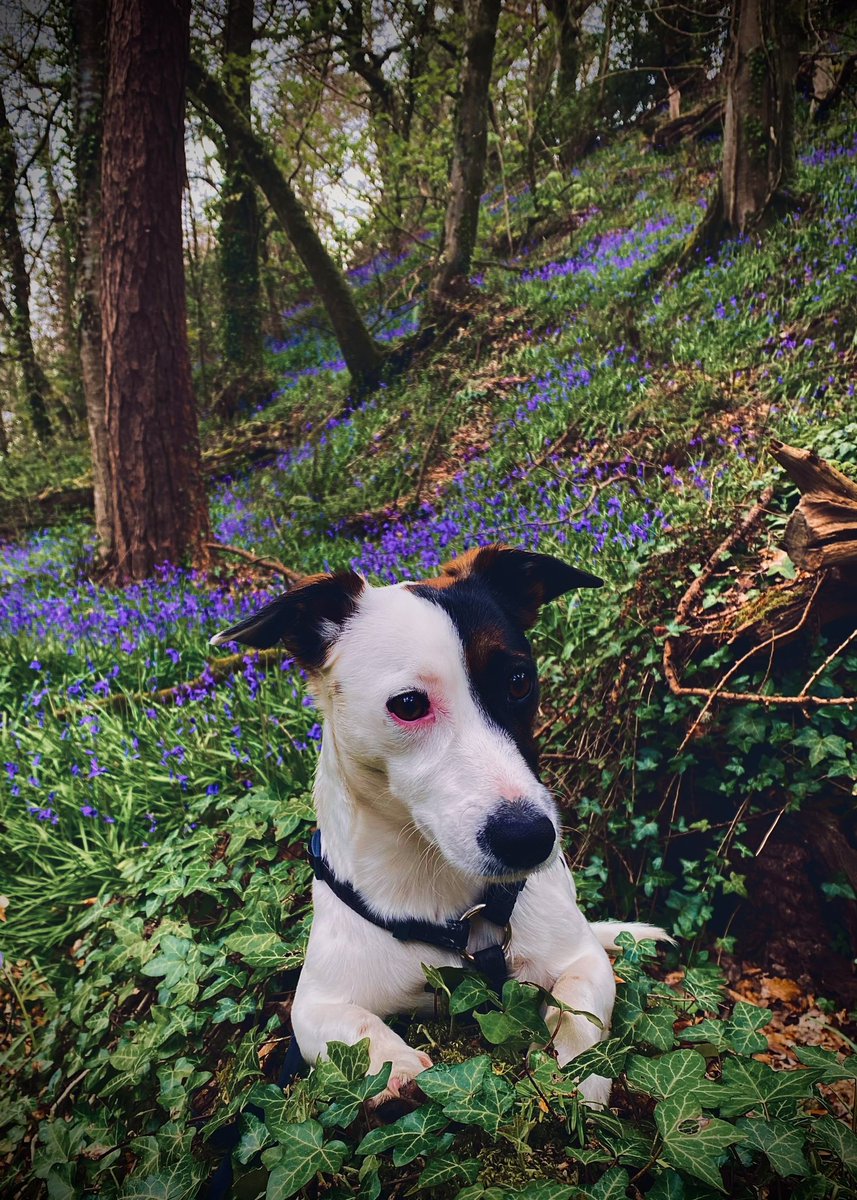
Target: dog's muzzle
(517, 836)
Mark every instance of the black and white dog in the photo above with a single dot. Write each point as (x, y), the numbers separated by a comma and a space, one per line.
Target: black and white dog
(427, 793)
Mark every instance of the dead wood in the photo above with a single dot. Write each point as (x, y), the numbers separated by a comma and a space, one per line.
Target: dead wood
(267, 564)
(693, 124)
(822, 531)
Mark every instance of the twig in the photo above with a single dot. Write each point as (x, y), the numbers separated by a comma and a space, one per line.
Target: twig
(754, 650)
(267, 564)
(807, 687)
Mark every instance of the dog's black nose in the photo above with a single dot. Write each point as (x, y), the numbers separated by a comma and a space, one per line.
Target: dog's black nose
(518, 836)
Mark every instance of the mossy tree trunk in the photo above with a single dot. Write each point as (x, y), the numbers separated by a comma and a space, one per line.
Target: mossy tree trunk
(469, 151)
(758, 138)
(363, 356)
(572, 108)
(238, 235)
(90, 21)
(38, 395)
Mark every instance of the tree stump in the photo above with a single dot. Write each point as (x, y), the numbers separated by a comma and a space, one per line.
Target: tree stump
(822, 531)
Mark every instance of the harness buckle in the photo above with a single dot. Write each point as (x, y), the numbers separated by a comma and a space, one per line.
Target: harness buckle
(474, 912)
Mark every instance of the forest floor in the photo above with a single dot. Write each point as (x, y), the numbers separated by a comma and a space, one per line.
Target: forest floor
(154, 801)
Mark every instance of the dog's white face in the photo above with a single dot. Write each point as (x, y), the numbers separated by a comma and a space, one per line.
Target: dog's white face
(429, 694)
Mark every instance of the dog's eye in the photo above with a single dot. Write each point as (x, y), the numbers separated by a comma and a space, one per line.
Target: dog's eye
(410, 706)
(520, 685)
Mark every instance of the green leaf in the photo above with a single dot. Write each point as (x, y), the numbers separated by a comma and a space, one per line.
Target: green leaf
(520, 1021)
(781, 1143)
(351, 1097)
(836, 1136)
(173, 1183)
(412, 1135)
(613, 1185)
(828, 1061)
(681, 1073)
(604, 1058)
(469, 1092)
(748, 1084)
(469, 994)
(254, 1137)
(305, 1155)
(691, 1142)
(446, 1169)
(540, 1190)
(669, 1185)
(739, 1033)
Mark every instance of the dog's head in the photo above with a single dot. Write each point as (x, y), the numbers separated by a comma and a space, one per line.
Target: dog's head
(429, 693)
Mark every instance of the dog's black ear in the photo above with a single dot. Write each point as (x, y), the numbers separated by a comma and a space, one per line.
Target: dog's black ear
(521, 579)
(306, 619)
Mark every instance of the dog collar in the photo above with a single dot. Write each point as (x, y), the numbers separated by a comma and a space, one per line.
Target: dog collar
(495, 906)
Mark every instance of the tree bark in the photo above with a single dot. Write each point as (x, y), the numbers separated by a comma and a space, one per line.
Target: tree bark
(157, 496)
(572, 118)
(70, 408)
(37, 390)
(362, 355)
(758, 137)
(471, 142)
(238, 236)
(90, 26)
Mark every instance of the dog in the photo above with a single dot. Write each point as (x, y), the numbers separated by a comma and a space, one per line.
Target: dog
(427, 794)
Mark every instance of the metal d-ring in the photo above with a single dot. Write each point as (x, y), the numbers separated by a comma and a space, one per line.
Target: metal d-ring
(474, 912)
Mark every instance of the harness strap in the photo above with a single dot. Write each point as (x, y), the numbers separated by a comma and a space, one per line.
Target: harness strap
(498, 901)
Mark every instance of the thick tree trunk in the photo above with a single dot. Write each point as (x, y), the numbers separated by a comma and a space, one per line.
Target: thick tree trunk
(471, 142)
(90, 18)
(158, 500)
(238, 236)
(758, 136)
(362, 355)
(37, 390)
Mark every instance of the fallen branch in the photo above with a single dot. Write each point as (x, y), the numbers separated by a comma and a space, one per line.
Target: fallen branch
(267, 564)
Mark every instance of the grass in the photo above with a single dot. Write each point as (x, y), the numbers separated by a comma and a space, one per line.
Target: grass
(598, 408)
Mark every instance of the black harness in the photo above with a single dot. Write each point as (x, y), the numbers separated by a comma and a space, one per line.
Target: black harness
(496, 906)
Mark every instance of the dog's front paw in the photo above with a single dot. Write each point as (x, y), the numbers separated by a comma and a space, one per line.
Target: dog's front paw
(407, 1065)
(595, 1091)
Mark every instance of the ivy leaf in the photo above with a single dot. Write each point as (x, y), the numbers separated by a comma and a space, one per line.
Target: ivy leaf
(669, 1185)
(748, 1084)
(352, 1096)
(541, 1190)
(691, 1142)
(469, 994)
(469, 1092)
(681, 1073)
(261, 945)
(305, 1155)
(234, 1011)
(412, 1135)
(613, 1185)
(828, 1062)
(520, 1021)
(743, 1028)
(706, 985)
(604, 1058)
(443, 1168)
(781, 1144)
(173, 1183)
(254, 1137)
(836, 1136)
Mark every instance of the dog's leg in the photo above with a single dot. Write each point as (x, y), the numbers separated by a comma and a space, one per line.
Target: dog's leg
(587, 986)
(317, 1023)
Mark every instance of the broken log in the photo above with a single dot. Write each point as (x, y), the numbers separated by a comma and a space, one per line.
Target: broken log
(822, 531)
(693, 124)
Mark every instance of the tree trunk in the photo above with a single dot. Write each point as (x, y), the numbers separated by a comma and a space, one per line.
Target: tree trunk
(362, 355)
(67, 364)
(758, 137)
(571, 117)
(238, 236)
(90, 17)
(37, 390)
(469, 150)
(158, 501)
